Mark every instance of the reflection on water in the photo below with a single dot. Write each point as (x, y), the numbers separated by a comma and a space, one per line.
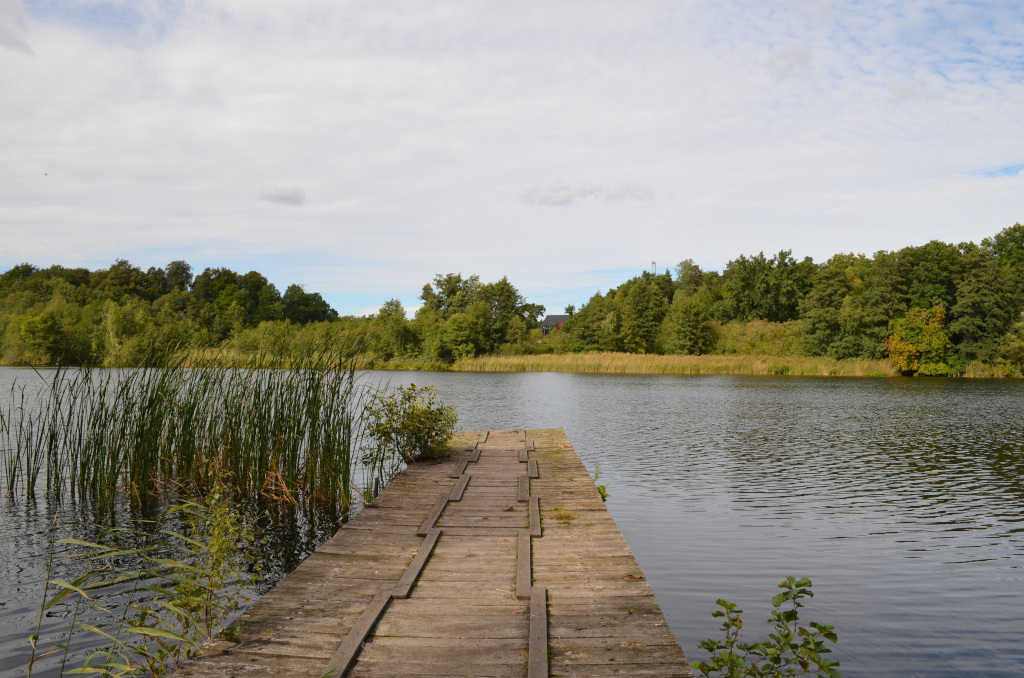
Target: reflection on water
(901, 498)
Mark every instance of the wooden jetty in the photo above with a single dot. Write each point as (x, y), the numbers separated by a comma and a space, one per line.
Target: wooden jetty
(499, 561)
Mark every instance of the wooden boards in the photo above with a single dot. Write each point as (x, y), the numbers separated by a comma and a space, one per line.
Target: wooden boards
(448, 572)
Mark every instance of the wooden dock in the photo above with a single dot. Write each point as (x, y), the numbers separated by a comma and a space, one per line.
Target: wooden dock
(499, 561)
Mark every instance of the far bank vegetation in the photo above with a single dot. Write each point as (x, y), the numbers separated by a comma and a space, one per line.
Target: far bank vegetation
(936, 309)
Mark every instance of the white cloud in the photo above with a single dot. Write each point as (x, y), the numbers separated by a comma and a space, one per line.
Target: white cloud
(557, 194)
(14, 27)
(789, 60)
(285, 194)
(416, 127)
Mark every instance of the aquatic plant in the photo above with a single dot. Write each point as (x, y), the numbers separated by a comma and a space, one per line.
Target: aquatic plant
(290, 429)
(186, 586)
(790, 650)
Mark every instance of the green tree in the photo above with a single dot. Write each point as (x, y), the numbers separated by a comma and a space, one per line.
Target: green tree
(766, 289)
(833, 317)
(689, 277)
(449, 294)
(645, 309)
(687, 327)
(933, 271)
(986, 306)
(1008, 247)
(390, 330)
(919, 342)
(303, 307)
(179, 276)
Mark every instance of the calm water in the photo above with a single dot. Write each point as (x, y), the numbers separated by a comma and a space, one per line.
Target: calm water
(901, 499)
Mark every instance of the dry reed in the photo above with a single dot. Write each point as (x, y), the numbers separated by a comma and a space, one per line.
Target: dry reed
(631, 363)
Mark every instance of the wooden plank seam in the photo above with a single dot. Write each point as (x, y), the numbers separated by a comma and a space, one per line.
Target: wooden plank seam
(415, 569)
(432, 518)
(524, 569)
(460, 488)
(535, 528)
(460, 468)
(538, 662)
(355, 638)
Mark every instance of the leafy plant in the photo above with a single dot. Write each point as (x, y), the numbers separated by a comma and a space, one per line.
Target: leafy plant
(191, 582)
(790, 650)
(409, 424)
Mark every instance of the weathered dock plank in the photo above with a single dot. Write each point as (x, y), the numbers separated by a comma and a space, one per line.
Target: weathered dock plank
(522, 573)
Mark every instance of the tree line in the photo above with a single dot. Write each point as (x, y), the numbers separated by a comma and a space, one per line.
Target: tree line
(122, 314)
(932, 309)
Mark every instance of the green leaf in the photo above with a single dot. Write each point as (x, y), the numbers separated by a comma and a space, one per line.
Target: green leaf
(68, 588)
(150, 631)
(79, 542)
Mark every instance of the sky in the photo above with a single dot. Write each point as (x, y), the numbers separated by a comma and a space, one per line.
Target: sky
(359, 148)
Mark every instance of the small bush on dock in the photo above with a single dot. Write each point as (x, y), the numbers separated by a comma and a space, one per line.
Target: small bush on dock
(410, 423)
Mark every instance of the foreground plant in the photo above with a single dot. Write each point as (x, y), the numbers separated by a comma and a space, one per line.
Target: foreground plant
(188, 587)
(790, 650)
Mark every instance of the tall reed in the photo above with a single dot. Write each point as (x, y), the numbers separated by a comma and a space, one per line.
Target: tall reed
(285, 429)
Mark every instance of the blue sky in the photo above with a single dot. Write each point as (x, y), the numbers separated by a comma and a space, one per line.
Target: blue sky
(360, 147)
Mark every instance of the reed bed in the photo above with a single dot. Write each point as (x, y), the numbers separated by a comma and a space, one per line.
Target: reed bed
(290, 434)
(632, 363)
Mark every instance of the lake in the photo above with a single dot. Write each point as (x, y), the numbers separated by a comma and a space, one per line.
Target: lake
(902, 499)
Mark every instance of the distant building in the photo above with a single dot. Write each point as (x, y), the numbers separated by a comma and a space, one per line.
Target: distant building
(551, 322)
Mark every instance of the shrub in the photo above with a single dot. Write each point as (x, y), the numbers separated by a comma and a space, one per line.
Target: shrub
(791, 650)
(409, 423)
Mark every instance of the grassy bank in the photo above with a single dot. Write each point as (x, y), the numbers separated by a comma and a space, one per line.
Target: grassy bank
(631, 363)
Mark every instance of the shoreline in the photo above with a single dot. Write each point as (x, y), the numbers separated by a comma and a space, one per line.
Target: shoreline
(652, 364)
(632, 363)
